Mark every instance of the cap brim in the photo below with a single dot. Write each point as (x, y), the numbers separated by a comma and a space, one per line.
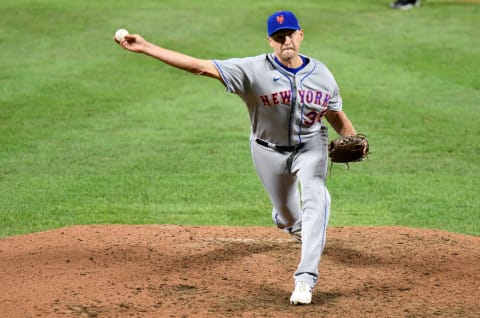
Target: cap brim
(282, 28)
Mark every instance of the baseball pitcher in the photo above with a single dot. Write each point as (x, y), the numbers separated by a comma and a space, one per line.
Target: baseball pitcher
(288, 96)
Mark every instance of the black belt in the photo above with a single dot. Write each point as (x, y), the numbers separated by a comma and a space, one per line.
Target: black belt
(278, 147)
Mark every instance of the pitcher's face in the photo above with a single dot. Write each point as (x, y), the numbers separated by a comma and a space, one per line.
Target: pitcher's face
(286, 43)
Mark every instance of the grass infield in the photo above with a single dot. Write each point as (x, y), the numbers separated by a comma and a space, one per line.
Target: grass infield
(92, 134)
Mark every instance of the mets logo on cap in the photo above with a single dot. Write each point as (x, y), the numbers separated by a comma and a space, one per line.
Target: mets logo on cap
(282, 20)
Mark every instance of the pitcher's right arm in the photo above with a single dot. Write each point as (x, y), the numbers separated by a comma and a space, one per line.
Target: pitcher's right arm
(136, 43)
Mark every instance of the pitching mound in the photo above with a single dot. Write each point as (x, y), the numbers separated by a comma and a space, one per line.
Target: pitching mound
(180, 271)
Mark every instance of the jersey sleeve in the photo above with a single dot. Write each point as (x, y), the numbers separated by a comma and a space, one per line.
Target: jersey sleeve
(335, 102)
(234, 73)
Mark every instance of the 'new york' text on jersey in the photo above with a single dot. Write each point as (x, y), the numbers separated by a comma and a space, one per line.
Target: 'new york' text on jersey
(284, 108)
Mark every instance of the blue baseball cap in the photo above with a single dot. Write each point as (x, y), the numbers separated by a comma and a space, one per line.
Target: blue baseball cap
(282, 20)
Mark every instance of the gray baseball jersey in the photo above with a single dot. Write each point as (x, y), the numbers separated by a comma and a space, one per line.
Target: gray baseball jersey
(289, 143)
(285, 109)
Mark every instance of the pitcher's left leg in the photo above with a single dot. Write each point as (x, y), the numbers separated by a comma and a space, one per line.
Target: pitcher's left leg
(311, 168)
(316, 213)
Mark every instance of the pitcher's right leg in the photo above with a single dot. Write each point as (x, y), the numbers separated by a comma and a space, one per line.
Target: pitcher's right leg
(280, 184)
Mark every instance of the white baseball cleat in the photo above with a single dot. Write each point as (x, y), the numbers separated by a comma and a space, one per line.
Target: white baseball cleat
(302, 295)
(296, 235)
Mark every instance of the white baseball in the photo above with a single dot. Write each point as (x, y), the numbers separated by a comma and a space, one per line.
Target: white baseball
(120, 34)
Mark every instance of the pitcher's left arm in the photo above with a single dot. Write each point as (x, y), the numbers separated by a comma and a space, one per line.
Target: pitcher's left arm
(340, 122)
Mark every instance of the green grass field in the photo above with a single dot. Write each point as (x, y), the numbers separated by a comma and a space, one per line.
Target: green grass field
(90, 133)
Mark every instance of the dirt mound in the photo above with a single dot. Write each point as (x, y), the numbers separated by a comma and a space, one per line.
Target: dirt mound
(182, 271)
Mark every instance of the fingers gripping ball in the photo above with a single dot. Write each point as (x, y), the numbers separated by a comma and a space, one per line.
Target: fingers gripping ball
(120, 34)
(348, 149)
